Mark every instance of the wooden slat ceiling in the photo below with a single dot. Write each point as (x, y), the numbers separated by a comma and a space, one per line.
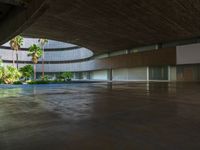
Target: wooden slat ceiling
(110, 25)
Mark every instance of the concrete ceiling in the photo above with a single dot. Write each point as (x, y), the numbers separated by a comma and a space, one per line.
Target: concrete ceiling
(4, 9)
(18, 15)
(111, 25)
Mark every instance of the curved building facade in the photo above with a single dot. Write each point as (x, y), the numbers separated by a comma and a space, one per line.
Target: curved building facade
(138, 64)
(58, 56)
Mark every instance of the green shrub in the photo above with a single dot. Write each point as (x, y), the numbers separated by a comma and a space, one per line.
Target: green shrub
(27, 71)
(67, 76)
(39, 82)
(18, 82)
(59, 77)
(9, 74)
(46, 78)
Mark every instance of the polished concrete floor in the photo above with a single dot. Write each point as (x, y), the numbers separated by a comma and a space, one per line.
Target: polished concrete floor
(120, 116)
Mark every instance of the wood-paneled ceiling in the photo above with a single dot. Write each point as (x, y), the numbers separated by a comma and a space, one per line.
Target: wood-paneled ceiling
(110, 25)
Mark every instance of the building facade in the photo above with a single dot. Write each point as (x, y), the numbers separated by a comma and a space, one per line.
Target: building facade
(177, 61)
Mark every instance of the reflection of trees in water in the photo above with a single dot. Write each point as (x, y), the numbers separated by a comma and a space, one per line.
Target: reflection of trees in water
(15, 92)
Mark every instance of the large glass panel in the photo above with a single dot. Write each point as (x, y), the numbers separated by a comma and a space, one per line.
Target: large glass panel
(158, 73)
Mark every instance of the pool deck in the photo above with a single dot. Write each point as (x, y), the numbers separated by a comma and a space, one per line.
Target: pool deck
(101, 116)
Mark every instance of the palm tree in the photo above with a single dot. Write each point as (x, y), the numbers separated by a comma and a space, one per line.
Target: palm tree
(35, 52)
(42, 44)
(16, 44)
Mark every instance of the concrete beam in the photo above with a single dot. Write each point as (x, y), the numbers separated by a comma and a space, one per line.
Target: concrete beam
(20, 18)
(15, 2)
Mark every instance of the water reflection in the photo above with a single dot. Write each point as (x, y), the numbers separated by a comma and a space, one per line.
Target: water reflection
(65, 100)
(46, 116)
(15, 92)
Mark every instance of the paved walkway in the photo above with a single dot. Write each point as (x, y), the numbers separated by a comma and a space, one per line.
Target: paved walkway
(123, 116)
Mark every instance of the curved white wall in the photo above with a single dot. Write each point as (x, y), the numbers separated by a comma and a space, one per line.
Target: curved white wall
(66, 55)
(6, 54)
(73, 67)
(69, 55)
(57, 56)
(27, 42)
(54, 51)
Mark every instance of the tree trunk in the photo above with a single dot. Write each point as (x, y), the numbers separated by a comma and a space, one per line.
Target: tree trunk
(43, 64)
(17, 59)
(13, 58)
(34, 71)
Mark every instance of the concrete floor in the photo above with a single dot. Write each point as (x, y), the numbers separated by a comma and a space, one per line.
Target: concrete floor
(123, 116)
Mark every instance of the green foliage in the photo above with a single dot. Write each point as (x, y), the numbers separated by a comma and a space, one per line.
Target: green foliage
(39, 82)
(27, 71)
(59, 77)
(1, 63)
(16, 42)
(35, 52)
(9, 74)
(46, 78)
(1, 71)
(18, 82)
(67, 75)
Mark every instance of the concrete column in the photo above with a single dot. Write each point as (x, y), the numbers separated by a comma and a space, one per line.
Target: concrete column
(169, 73)
(128, 51)
(109, 73)
(147, 73)
(157, 46)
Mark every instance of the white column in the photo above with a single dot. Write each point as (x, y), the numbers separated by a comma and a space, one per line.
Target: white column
(169, 73)
(147, 73)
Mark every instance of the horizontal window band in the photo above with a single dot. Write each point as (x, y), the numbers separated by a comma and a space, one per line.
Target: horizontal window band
(47, 50)
(47, 62)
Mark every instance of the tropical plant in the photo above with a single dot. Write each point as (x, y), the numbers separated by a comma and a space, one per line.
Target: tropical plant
(15, 45)
(1, 70)
(35, 52)
(67, 76)
(1, 74)
(59, 77)
(27, 71)
(17, 82)
(39, 82)
(1, 62)
(45, 78)
(42, 44)
(9, 74)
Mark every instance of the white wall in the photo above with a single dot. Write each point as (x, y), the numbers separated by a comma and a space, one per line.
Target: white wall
(188, 54)
(120, 74)
(7, 55)
(99, 75)
(67, 55)
(75, 54)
